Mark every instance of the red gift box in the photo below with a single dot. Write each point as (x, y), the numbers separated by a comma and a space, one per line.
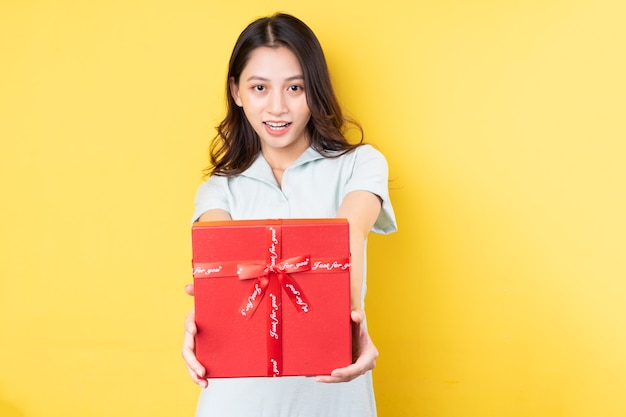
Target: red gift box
(272, 297)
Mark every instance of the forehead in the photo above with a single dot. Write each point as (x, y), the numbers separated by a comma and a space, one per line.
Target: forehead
(272, 63)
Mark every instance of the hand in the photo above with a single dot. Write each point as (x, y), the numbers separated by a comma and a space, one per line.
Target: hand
(195, 369)
(364, 350)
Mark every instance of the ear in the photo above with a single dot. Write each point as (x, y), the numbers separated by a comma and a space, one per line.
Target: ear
(234, 92)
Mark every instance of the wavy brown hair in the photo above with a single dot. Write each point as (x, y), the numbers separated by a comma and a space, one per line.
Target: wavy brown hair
(236, 145)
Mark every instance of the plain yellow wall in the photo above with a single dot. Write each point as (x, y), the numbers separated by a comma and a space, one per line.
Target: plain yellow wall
(503, 294)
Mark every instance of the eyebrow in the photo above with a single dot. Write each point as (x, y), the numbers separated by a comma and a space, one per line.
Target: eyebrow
(259, 78)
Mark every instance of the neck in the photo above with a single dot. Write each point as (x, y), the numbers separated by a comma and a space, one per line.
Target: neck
(281, 159)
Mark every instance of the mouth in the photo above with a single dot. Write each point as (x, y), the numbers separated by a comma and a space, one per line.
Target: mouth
(277, 126)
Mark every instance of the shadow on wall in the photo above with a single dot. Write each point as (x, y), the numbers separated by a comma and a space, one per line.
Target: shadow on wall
(9, 410)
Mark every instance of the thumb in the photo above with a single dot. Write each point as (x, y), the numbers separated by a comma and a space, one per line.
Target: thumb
(189, 289)
(357, 316)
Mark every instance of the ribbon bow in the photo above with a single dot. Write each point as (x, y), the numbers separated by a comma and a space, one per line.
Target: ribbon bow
(281, 271)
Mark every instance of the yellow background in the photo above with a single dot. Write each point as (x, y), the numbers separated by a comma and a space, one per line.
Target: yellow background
(503, 294)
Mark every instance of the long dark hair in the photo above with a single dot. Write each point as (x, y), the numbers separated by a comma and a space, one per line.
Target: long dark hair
(236, 145)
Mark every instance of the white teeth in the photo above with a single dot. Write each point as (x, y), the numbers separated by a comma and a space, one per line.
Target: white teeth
(276, 125)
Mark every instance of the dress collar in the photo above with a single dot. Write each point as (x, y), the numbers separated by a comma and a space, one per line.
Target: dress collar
(261, 170)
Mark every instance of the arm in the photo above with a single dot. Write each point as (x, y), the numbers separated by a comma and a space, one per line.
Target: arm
(361, 208)
(195, 368)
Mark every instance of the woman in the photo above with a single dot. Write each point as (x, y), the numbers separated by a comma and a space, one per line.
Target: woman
(281, 152)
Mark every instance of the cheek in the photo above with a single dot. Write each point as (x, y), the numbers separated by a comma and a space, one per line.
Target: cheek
(250, 107)
(303, 108)
(249, 116)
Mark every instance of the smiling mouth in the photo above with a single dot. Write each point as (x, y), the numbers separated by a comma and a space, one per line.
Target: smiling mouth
(276, 126)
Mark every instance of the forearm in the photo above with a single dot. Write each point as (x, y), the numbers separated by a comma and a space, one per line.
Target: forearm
(357, 251)
(361, 208)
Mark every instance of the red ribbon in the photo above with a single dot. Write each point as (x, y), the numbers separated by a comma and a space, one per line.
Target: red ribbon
(270, 279)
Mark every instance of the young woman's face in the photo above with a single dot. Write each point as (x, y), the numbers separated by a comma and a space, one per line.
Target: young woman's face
(271, 92)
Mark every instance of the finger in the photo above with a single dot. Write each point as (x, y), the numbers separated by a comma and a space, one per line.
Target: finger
(365, 362)
(189, 289)
(190, 323)
(357, 316)
(342, 374)
(189, 355)
(201, 381)
(196, 370)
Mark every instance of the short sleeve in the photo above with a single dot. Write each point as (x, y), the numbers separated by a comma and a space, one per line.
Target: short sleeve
(211, 194)
(371, 173)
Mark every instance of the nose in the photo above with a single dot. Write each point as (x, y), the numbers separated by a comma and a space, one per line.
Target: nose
(277, 103)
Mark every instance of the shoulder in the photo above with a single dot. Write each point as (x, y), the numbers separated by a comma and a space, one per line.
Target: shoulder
(367, 157)
(212, 187)
(367, 151)
(214, 181)
(362, 161)
(360, 154)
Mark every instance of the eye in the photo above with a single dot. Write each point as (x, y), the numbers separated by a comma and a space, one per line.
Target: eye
(295, 88)
(258, 88)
